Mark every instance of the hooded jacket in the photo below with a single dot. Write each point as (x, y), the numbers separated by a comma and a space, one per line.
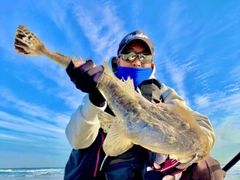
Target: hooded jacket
(83, 130)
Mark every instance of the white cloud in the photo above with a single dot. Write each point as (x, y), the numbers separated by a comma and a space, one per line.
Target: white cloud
(202, 78)
(31, 117)
(235, 72)
(227, 130)
(11, 137)
(202, 101)
(72, 98)
(52, 80)
(28, 125)
(218, 101)
(178, 73)
(224, 114)
(60, 16)
(101, 26)
(233, 87)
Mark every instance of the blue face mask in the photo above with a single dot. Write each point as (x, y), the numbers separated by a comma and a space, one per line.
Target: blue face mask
(137, 74)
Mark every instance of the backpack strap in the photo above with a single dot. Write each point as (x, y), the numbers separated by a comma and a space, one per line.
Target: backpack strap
(151, 90)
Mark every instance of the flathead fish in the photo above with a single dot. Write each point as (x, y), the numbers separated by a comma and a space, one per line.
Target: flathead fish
(161, 128)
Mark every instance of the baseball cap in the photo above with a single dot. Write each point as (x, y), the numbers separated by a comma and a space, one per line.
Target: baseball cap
(136, 35)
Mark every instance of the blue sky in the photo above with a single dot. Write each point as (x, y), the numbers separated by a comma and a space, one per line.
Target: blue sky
(197, 47)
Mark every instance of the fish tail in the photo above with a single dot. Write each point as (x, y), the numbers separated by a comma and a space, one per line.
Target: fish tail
(26, 43)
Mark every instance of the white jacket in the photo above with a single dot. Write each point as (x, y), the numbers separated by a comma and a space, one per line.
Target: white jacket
(83, 126)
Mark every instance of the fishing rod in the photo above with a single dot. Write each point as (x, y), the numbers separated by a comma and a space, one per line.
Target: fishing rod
(231, 162)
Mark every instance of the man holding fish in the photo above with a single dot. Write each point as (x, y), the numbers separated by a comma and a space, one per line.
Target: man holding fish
(86, 132)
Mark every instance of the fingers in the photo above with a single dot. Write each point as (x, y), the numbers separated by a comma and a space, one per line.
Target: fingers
(86, 76)
(70, 69)
(77, 63)
(156, 165)
(149, 168)
(168, 177)
(86, 66)
(187, 164)
(89, 82)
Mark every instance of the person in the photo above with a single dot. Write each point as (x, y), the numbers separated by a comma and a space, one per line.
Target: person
(87, 160)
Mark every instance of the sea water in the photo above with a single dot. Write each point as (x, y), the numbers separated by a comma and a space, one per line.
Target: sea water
(58, 173)
(31, 173)
(233, 173)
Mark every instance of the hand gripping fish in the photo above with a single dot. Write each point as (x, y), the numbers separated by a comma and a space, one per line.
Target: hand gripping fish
(162, 128)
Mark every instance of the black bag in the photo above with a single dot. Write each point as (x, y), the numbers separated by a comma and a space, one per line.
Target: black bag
(85, 163)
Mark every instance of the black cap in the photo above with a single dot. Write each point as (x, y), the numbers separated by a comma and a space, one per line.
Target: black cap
(136, 35)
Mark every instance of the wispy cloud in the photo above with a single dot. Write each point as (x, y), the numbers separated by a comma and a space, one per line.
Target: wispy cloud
(233, 87)
(12, 137)
(102, 27)
(224, 114)
(194, 44)
(202, 101)
(203, 77)
(30, 127)
(50, 79)
(61, 15)
(177, 75)
(218, 101)
(31, 118)
(171, 48)
(235, 73)
(226, 131)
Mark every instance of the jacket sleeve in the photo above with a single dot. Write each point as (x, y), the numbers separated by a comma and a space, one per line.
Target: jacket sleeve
(169, 95)
(83, 126)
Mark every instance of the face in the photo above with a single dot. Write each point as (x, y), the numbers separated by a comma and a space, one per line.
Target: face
(137, 48)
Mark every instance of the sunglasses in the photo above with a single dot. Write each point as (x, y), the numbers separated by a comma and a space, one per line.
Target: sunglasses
(131, 56)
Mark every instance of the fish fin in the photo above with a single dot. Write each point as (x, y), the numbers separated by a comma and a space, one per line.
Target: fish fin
(81, 59)
(105, 120)
(116, 141)
(128, 84)
(187, 115)
(195, 127)
(77, 62)
(107, 69)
